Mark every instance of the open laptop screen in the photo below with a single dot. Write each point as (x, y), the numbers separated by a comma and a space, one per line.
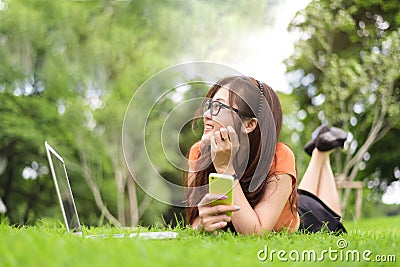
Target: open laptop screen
(63, 189)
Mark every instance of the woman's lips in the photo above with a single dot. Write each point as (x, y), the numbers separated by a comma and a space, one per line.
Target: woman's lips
(208, 127)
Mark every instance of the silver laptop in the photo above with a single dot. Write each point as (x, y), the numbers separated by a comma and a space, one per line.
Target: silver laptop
(67, 203)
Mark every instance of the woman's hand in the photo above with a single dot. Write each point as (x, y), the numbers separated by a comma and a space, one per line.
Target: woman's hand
(213, 218)
(224, 146)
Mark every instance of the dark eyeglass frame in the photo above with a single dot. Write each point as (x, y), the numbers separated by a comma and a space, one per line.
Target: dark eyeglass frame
(208, 104)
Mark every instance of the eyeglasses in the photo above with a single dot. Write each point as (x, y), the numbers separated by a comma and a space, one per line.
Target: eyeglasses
(215, 107)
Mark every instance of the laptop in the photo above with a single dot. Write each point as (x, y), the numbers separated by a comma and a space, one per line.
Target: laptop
(68, 207)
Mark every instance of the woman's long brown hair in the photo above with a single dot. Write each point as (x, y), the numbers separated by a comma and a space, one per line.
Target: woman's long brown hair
(246, 94)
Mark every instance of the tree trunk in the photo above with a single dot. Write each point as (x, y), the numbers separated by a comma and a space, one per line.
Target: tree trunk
(96, 192)
(121, 183)
(8, 185)
(133, 205)
(377, 131)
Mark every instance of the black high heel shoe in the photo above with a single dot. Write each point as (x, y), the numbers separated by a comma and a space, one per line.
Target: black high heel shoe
(331, 139)
(310, 146)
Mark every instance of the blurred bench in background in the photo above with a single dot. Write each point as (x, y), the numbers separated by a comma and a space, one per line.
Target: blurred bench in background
(342, 185)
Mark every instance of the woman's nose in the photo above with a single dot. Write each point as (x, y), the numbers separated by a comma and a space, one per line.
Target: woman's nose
(207, 114)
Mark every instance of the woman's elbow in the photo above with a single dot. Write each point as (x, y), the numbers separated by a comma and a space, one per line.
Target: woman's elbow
(258, 230)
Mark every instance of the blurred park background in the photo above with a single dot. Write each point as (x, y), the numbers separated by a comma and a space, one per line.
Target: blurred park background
(69, 68)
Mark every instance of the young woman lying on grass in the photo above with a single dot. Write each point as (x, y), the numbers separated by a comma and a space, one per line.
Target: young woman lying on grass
(242, 122)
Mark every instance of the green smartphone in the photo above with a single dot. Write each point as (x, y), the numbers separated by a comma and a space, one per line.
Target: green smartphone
(221, 184)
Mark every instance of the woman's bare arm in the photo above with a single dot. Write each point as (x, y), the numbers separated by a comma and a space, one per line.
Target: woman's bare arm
(266, 213)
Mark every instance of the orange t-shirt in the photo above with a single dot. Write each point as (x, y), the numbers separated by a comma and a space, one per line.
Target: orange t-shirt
(285, 164)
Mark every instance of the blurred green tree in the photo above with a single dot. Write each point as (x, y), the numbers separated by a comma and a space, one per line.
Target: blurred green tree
(345, 72)
(67, 72)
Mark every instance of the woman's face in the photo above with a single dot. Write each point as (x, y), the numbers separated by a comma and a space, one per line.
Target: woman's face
(223, 119)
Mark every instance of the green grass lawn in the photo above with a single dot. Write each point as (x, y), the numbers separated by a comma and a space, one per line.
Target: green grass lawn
(47, 244)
